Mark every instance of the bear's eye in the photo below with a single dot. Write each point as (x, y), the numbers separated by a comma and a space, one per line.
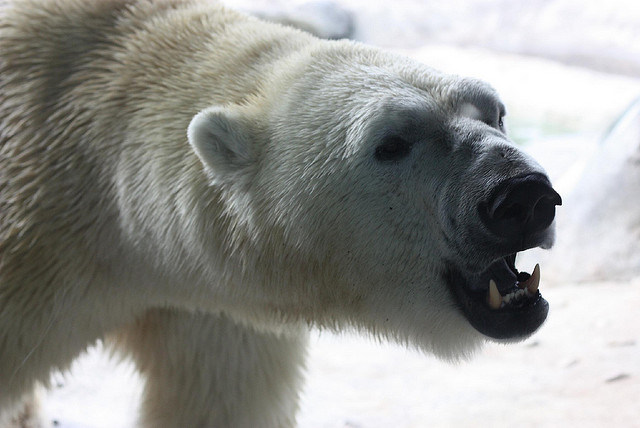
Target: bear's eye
(393, 148)
(501, 123)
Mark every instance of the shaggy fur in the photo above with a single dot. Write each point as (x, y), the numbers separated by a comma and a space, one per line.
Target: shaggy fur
(202, 188)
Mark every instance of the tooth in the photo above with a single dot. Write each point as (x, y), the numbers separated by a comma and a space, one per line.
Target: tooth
(533, 282)
(494, 299)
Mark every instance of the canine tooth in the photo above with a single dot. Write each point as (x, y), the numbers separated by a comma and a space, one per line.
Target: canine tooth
(494, 299)
(534, 282)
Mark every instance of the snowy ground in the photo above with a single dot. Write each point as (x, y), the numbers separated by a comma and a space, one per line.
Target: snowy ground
(581, 369)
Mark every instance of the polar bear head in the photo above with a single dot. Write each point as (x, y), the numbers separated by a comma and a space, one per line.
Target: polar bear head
(373, 191)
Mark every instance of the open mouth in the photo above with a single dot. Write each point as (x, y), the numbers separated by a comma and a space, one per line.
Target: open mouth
(501, 302)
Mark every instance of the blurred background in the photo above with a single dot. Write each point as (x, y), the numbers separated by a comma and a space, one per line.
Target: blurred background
(569, 73)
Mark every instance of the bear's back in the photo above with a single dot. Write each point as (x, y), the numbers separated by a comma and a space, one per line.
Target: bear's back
(95, 101)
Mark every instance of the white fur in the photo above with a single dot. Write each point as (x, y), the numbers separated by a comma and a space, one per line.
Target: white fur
(200, 187)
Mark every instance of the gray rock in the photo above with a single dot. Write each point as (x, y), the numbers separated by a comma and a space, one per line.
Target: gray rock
(325, 19)
(599, 223)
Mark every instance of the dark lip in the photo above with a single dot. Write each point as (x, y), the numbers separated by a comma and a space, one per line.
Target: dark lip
(509, 322)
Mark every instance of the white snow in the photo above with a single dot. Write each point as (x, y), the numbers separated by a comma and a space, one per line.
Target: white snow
(581, 369)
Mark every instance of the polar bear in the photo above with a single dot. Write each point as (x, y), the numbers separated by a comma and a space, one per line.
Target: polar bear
(201, 188)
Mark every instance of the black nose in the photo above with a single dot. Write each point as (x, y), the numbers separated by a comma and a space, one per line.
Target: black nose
(520, 206)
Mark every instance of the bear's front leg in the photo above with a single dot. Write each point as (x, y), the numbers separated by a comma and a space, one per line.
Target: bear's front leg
(207, 371)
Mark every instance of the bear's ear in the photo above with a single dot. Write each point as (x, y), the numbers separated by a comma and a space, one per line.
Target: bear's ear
(222, 139)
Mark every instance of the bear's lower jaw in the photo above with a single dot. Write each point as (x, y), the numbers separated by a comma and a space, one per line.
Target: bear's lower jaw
(500, 302)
